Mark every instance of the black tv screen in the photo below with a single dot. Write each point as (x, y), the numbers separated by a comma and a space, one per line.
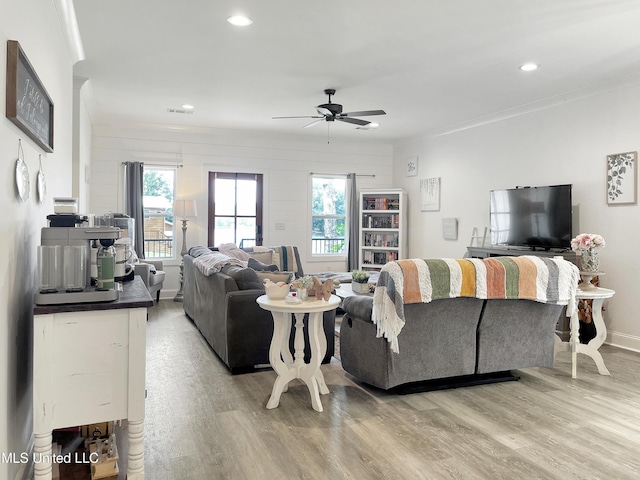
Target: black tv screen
(533, 217)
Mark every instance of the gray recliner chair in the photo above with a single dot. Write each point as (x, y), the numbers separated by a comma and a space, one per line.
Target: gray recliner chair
(152, 273)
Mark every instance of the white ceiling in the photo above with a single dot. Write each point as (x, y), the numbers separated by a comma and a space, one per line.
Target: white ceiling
(432, 65)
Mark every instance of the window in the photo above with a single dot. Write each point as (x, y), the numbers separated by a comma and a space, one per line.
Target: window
(328, 214)
(235, 203)
(159, 228)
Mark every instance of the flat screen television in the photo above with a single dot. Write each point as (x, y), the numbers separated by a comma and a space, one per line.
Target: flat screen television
(532, 217)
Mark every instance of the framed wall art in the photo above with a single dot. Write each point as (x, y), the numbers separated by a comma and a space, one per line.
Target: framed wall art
(622, 178)
(28, 104)
(412, 166)
(430, 194)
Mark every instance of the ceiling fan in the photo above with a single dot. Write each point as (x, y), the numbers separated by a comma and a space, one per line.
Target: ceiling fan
(330, 112)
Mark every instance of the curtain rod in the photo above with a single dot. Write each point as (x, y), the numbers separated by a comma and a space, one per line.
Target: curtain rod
(178, 165)
(345, 174)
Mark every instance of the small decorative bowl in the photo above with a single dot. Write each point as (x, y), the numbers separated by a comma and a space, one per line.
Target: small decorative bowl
(275, 291)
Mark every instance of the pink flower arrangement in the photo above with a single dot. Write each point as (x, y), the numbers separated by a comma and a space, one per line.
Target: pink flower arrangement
(586, 242)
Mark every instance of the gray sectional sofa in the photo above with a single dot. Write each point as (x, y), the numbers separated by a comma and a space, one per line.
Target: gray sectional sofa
(446, 342)
(467, 338)
(223, 307)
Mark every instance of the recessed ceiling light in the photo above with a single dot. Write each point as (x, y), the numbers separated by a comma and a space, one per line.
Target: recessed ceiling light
(186, 106)
(239, 20)
(528, 67)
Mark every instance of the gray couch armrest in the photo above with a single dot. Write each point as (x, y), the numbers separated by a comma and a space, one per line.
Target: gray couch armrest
(358, 306)
(143, 270)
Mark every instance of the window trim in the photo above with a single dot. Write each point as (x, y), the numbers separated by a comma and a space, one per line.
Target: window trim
(174, 248)
(328, 256)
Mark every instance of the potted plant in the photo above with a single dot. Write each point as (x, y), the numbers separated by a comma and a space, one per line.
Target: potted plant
(360, 281)
(302, 286)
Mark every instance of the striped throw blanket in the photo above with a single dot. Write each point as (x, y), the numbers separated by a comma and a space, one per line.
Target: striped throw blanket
(546, 280)
(210, 263)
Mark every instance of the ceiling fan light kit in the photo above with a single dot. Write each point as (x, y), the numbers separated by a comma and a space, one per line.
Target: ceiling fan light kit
(330, 112)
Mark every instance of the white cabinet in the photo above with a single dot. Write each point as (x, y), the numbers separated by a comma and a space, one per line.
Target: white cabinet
(383, 227)
(89, 367)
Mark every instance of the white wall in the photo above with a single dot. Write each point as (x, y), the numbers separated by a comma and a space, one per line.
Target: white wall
(285, 163)
(563, 144)
(34, 23)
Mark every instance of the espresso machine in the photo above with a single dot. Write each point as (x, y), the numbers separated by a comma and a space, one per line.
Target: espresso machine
(64, 262)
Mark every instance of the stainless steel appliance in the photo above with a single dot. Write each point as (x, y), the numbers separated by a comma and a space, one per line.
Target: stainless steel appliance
(65, 272)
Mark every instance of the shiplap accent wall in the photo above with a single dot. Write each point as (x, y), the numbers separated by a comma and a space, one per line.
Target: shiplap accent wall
(286, 164)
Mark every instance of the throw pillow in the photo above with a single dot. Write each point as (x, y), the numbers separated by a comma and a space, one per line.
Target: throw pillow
(258, 266)
(262, 256)
(275, 277)
(197, 251)
(245, 278)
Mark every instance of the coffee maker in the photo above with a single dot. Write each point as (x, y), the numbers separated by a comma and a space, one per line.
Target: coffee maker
(64, 263)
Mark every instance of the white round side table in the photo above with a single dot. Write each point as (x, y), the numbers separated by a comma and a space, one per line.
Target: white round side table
(288, 367)
(598, 295)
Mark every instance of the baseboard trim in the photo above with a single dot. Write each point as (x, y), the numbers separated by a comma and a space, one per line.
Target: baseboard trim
(623, 340)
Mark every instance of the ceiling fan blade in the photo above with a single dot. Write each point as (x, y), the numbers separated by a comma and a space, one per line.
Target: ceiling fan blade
(364, 113)
(303, 116)
(323, 111)
(355, 121)
(314, 122)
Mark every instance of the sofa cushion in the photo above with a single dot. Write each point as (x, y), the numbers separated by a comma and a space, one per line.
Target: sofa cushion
(245, 278)
(258, 266)
(275, 277)
(265, 257)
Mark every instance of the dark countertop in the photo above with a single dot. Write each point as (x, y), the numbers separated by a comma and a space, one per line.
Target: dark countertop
(133, 295)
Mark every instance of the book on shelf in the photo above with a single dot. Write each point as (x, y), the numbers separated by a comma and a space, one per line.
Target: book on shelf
(378, 258)
(381, 221)
(380, 203)
(381, 240)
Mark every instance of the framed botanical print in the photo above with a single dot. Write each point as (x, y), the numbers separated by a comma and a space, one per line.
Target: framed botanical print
(622, 178)
(412, 166)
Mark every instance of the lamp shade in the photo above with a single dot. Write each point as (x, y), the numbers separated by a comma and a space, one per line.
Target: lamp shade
(185, 208)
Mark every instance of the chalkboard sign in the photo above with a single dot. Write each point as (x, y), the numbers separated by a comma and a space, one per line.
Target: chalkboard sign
(28, 104)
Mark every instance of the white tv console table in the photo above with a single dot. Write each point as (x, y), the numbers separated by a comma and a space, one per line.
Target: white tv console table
(89, 367)
(495, 251)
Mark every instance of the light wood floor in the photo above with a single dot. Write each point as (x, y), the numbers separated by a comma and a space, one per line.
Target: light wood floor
(203, 423)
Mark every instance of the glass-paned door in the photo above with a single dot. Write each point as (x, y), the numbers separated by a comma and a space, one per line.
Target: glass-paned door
(235, 206)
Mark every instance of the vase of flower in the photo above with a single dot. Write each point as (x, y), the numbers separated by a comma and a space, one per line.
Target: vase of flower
(587, 245)
(590, 261)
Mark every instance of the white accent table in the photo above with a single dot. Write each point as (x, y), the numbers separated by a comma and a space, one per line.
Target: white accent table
(598, 296)
(89, 367)
(290, 367)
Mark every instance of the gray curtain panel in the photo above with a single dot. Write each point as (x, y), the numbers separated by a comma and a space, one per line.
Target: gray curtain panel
(133, 183)
(354, 224)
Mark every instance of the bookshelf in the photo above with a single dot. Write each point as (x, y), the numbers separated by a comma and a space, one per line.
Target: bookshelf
(383, 227)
